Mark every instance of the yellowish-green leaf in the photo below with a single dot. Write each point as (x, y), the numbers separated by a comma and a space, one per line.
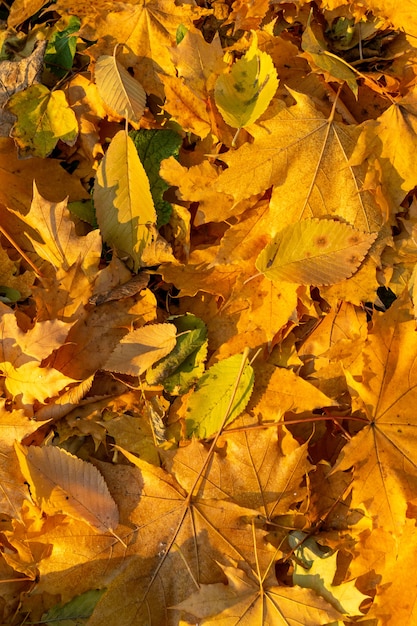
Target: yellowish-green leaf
(332, 66)
(63, 483)
(314, 569)
(121, 93)
(43, 118)
(314, 252)
(141, 348)
(224, 388)
(123, 200)
(245, 92)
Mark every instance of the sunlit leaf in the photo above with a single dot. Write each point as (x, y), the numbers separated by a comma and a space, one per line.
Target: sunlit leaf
(123, 200)
(153, 146)
(43, 118)
(121, 93)
(315, 569)
(62, 483)
(314, 252)
(245, 93)
(141, 348)
(216, 395)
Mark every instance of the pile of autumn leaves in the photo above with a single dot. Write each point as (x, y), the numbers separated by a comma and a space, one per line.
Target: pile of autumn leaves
(261, 211)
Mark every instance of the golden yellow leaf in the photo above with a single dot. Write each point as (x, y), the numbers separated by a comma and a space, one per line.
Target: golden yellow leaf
(382, 453)
(123, 94)
(122, 197)
(141, 348)
(62, 483)
(388, 143)
(59, 243)
(314, 252)
(305, 158)
(14, 426)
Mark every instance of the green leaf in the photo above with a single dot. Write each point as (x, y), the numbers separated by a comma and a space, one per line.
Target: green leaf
(123, 201)
(79, 608)
(43, 118)
(9, 295)
(208, 405)
(61, 48)
(245, 92)
(121, 93)
(185, 364)
(314, 252)
(153, 146)
(315, 569)
(84, 209)
(331, 64)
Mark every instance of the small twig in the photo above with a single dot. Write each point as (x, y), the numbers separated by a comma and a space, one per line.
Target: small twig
(22, 254)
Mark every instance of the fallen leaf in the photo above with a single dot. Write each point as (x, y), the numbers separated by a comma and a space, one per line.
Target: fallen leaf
(314, 252)
(122, 94)
(123, 200)
(62, 483)
(43, 118)
(141, 348)
(245, 93)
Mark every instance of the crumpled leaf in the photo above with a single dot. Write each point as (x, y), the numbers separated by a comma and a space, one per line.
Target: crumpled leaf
(314, 252)
(388, 144)
(123, 200)
(245, 93)
(62, 483)
(141, 348)
(122, 94)
(21, 355)
(333, 66)
(215, 395)
(16, 76)
(14, 425)
(314, 569)
(43, 118)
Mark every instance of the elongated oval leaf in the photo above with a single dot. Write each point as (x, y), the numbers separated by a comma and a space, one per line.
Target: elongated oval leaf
(245, 93)
(314, 252)
(63, 483)
(123, 200)
(142, 348)
(121, 93)
(207, 406)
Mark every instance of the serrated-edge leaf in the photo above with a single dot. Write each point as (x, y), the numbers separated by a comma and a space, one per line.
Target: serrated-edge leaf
(62, 483)
(121, 93)
(208, 404)
(245, 92)
(141, 348)
(123, 200)
(315, 252)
